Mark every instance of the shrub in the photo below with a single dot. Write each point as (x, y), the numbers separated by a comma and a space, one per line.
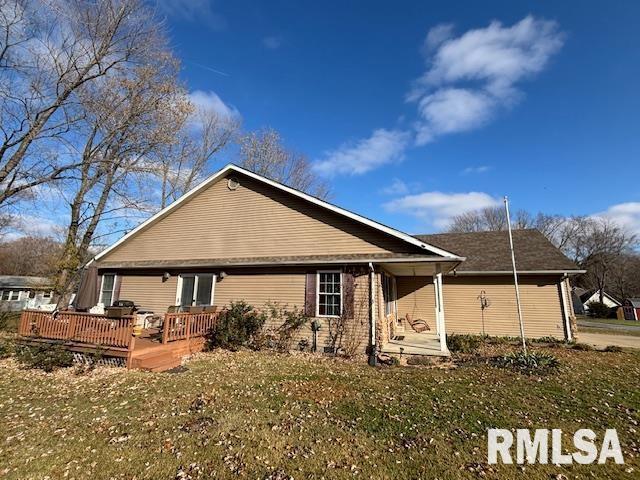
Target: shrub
(582, 346)
(6, 348)
(613, 349)
(290, 320)
(463, 343)
(9, 321)
(237, 326)
(46, 356)
(532, 362)
(599, 310)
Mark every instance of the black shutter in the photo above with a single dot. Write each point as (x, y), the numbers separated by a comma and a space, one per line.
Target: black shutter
(310, 295)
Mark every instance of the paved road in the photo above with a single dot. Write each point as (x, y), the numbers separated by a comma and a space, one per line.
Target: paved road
(605, 339)
(609, 326)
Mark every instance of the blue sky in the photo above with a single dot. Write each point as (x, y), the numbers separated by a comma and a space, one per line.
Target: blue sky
(416, 111)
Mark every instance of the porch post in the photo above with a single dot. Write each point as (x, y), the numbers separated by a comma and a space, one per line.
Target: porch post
(440, 308)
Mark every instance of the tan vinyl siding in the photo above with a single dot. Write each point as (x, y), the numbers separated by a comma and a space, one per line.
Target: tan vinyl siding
(287, 288)
(149, 291)
(541, 307)
(258, 289)
(256, 220)
(416, 296)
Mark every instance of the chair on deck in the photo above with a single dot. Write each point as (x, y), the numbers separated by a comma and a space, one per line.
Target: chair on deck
(418, 324)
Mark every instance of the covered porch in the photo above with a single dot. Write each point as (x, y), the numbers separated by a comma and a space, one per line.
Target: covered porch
(412, 314)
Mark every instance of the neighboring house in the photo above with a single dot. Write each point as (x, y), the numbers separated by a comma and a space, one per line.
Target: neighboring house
(594, 296)
(631, 309)
(19, 292)
(240, 236)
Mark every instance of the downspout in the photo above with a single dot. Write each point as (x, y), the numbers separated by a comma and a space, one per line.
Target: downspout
(372, 317)
(565, 297)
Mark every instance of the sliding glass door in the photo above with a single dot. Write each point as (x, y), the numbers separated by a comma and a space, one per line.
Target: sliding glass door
(196, 289)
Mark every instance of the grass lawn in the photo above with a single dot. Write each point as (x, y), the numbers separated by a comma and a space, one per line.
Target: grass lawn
(608, 331)
(611, 321)
(264, 415)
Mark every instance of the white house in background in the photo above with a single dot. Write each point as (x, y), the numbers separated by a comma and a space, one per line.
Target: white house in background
(594, 296)
(20, 292)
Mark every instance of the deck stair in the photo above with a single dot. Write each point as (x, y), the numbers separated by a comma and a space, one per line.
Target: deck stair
(156, 357)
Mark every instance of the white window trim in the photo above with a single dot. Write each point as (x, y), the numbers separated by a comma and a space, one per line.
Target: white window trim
(115, 279)
(318, 272)
(214, 280)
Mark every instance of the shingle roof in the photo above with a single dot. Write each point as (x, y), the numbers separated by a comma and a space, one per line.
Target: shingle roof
(265, 261)
(7, 281)
(489, 251)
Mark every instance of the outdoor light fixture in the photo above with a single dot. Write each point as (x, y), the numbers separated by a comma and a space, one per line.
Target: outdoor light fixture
(165, 276)
(222, 275)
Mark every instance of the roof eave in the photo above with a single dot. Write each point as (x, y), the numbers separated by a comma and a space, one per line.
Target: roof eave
(520, 272)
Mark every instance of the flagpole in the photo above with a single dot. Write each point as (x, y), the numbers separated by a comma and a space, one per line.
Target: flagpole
(515, 275)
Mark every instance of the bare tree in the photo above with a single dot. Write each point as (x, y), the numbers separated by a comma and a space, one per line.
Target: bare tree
(598, 245)
(264, 153)
(185, 162)
(127, 120)
(485, 219)
(49, 50)
(29, 256)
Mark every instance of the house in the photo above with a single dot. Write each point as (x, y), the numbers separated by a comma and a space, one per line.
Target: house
(631, 309)
(19, 292)
(594, 296)
(240, 236)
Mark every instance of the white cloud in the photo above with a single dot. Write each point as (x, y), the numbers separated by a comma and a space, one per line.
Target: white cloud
(624, 214)
(210, 101)
(197, 11)
(478, 169)
(381, 148)
(33, 225)
(471, 76)
(452, 110)
(272, 42)
(397, 187)
(437, 208)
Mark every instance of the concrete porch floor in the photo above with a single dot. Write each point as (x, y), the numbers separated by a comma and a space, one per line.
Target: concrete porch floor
(412, 343)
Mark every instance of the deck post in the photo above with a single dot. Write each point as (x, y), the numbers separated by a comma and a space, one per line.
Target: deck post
(165, 328)
(71, 327)
(131, 346)
(440, 308)
(188, 327)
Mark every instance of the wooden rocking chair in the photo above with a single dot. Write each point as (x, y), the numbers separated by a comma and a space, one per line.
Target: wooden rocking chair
(418, 324)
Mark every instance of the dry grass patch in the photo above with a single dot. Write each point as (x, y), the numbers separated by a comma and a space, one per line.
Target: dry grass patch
(264, 415)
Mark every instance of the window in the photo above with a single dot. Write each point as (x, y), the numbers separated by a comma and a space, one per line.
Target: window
(5, 294)
(15, 295)
(106, 291)
(48, 294)
(195, 289)
(329, 294)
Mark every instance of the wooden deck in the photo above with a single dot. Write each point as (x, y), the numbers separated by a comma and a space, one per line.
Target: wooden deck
(155, 350)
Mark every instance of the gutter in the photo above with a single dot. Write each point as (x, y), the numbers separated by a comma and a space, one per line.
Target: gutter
(522, 272)
(342, 261)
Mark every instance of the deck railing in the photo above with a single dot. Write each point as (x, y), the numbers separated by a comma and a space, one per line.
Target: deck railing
(77, 327)
(184, 326)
